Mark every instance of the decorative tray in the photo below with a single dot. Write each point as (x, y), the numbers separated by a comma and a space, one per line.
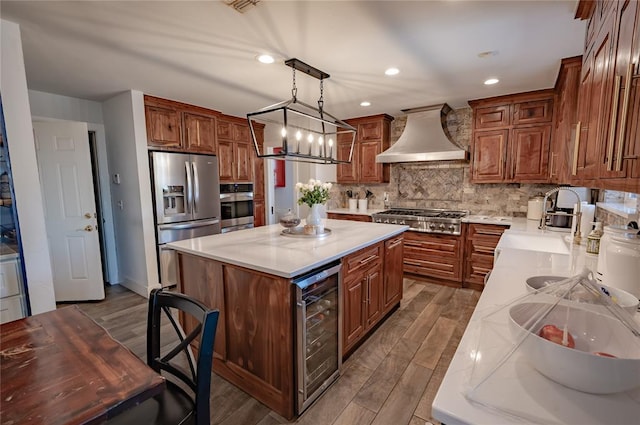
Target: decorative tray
(298, 232)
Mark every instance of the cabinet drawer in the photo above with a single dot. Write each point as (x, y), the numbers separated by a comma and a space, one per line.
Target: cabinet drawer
(537, 111)
(9, 280)
(486, 229)
(492, 117)
(353, 217)
(363, 259)
(430, 245)
(11, 309)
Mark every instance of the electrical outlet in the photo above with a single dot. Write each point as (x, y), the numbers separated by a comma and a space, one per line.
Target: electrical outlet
(116, 178)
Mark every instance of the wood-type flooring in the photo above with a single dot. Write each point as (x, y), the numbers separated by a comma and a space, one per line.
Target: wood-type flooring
(391, 379)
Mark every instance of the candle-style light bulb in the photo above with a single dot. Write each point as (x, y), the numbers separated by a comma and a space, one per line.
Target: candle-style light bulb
(320, 146)
(298, 138)
(310, 140)
(283, 132)
(330, 142)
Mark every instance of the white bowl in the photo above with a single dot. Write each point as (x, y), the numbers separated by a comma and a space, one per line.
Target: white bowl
(624, 299)
(578, 367)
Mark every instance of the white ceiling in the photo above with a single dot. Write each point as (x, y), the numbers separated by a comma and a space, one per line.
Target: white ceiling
(203, 52)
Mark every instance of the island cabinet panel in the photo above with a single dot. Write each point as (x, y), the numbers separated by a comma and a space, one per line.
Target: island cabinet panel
(481, 241)
(434, 256)
(194, 271)
(362, 294)
(393, 257)
(254, 340)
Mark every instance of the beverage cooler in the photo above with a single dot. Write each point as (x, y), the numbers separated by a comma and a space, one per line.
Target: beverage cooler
(319, 334)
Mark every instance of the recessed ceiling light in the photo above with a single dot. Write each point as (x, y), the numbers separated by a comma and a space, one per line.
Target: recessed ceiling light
(392, 71)
(365, 103)
(488, 54)
(491, 81)
(265, 59)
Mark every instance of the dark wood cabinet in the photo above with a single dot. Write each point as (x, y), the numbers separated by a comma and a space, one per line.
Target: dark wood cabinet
(199, 133)
(259, 212)
(372, 287)
(393, 275)
(179, 127)
(512, 138)
(163, 126)
(235, 150)
(606, 151)
(372, 138)
(353, 217)
(481, 241)
(566, 88)
(435, 256)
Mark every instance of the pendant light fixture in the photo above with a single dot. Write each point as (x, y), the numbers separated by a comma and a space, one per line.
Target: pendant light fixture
(303, 133)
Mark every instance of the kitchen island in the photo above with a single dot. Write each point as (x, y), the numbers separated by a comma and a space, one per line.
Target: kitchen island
(520, 394)
(248, 276)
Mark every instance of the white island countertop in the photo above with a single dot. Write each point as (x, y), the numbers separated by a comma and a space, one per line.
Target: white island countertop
(531, 397)
(265, 249)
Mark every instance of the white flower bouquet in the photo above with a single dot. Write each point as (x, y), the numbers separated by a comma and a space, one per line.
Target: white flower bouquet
(313, 192)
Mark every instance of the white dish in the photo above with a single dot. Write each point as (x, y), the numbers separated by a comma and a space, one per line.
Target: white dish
(624, 299)
(578, 367)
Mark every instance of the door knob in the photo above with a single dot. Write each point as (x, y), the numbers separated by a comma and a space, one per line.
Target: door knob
(88, 228)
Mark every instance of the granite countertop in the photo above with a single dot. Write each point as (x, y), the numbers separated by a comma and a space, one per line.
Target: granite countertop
(265, 249)
(532, 397)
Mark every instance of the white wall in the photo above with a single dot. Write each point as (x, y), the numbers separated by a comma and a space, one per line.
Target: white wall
(47, 105)
(124, 123)
(15, 103)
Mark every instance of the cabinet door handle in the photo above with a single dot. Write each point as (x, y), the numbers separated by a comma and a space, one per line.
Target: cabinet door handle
(395, 244)
(576, 148)
(612, 124)
(623, 119)
(369, 258)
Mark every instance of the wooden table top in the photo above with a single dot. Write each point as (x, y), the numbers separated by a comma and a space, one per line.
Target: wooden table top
(61, 367)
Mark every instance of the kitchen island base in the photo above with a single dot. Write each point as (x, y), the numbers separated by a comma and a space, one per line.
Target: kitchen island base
(255, 347)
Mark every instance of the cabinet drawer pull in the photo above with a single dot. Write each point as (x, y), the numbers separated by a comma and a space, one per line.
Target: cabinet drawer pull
(368, 259)
(576, 147)
(612, 124)
(623, 119)
(396, 243)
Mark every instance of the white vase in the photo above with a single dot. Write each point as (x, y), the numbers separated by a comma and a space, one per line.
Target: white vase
(315, 215)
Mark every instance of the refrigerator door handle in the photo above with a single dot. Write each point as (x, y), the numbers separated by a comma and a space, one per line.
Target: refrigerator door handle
(196, 187)
(190, 225)
(187, 170)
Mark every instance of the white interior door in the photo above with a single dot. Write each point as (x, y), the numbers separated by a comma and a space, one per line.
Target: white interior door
(64, 163)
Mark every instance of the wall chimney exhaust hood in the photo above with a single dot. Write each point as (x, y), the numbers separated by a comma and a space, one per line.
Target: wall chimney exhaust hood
(425, 138)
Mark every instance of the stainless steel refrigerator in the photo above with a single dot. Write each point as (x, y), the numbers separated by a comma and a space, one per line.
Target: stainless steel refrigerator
(186, 192)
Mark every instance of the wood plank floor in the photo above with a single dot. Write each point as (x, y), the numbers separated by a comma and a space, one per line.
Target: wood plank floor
(391, 379)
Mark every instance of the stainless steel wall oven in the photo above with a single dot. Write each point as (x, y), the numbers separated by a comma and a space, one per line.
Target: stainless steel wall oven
(318, 334)
(236, 205)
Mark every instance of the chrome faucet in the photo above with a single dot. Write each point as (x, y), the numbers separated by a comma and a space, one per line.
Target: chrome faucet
(577, 214)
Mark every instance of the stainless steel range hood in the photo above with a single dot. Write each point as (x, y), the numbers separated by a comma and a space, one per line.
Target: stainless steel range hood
(425, 138)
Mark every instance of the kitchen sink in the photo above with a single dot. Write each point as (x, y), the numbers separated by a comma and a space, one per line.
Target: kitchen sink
(550, 243)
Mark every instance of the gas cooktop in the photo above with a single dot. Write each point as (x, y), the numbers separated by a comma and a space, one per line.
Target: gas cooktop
(430, 220)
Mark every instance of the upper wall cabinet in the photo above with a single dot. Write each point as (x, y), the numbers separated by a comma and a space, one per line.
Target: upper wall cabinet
(566, 105)
(372, 137)
(606, 149)
(512, 137)
(235, 150)
(179, 127)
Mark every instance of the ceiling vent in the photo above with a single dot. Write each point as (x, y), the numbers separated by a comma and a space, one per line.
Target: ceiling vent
(241, 5)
